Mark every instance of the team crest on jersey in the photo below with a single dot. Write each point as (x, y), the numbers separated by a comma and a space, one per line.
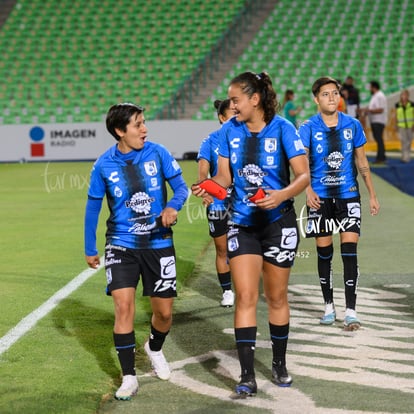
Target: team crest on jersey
(319, 149)
(270, 145)
(234, 158)
(348, 134)
(150, 168)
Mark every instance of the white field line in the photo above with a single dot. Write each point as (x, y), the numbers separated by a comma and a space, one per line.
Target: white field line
(29, 321)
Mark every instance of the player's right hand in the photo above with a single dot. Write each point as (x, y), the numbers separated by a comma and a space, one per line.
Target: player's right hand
(312, 199)
(93, 261)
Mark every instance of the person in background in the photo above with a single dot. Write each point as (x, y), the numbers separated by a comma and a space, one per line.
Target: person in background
(404, 121)
(133, 175)
(335, 145)
(343, 103)
(257, 148)
(217, 210)
(377, 114)
(352, 97)
(290, 110)
(342, 100)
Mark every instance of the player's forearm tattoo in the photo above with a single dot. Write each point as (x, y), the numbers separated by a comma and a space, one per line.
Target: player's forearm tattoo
(364, 171)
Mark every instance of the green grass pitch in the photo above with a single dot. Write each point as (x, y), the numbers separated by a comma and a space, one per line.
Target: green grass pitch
(67, 364)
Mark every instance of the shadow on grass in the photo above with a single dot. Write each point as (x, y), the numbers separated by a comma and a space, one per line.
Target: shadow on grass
(92, 327)
(200, 321)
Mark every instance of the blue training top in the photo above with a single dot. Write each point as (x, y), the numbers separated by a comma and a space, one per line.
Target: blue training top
(331, 155)
(209, 151)
(135, 188)
(259, 160)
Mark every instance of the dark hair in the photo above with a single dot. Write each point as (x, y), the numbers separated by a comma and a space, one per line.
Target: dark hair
(288, 94)
(325, 80)
(119, 115)
(222, 106)
(375, 84)
(261, 84)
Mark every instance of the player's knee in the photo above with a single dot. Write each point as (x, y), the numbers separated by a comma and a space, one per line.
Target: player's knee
(277, 301)
(124, 310)
(221, 253)
(246, 299)
(163, 316)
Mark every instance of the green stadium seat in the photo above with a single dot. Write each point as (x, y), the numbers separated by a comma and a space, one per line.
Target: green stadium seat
(86, 50)
(298, 43)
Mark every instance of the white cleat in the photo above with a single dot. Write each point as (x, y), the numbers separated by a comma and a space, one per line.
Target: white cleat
(228, 299)
(158, 362)
(128, 388)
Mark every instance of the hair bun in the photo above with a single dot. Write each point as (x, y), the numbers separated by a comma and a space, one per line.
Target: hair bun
(217, 103)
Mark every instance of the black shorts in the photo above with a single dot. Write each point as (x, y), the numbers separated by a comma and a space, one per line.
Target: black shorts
(277, 242)
(124, 267)
(335, 215)
(217, 222)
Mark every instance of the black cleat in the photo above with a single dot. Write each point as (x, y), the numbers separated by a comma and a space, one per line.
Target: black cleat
(280, 376)
(247, 387)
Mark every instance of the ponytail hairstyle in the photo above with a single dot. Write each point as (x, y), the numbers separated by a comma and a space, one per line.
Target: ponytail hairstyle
(259, 83)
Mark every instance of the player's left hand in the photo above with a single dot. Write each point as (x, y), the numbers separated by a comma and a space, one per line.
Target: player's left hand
(93, 261)
(374, 206)
(272, 200)
(169, 216)
(207, 200)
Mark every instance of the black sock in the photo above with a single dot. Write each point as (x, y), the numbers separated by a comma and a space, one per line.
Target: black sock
(225, 280)
(279, 335)
(246, 343)
(125, 348)
(157, 339)
(351, 273)
(325, 255)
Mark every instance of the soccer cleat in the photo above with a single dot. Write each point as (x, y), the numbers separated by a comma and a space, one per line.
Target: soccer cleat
(228, 299)
(128, 388)
(280, 376)
(247, 387)
(158, 362)
(328, 319)
(351, 323)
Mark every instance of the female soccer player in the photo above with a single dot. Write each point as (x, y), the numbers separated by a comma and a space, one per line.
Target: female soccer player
(257, 147)
(217, 210)
(335, 143)
(133, 176)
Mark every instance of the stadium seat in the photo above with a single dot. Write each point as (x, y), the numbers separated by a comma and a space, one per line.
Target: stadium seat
(90, 50)
(302, 40)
